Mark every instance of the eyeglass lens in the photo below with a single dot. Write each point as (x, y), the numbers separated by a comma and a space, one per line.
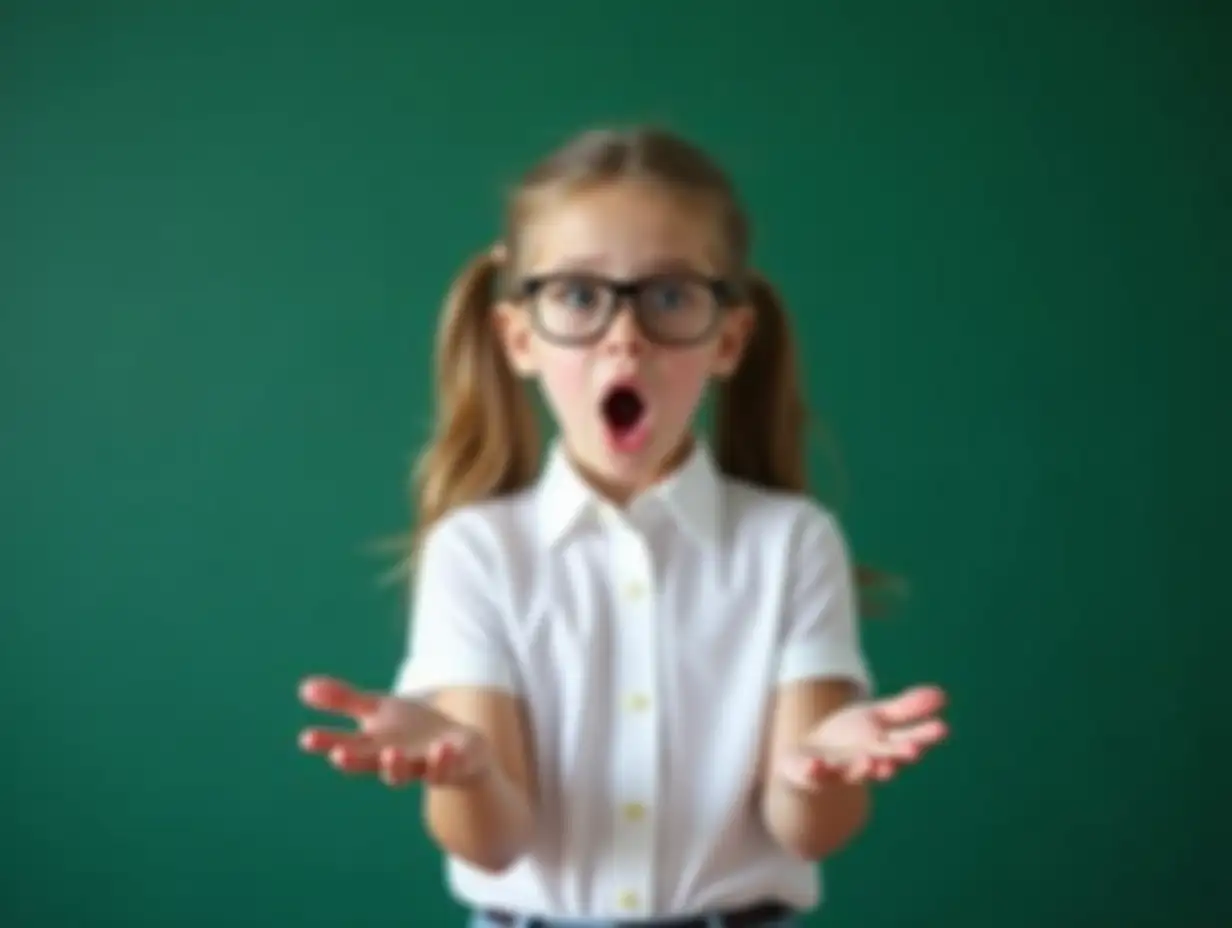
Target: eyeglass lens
(669, 308)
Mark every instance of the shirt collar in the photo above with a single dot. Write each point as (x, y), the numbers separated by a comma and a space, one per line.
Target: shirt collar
(690, 496)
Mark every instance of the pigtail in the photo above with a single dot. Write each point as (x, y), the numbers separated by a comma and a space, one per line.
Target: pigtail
(485, 441)
(760, 413)
(761, 416)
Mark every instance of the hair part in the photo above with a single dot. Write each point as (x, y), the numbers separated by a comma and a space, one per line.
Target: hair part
(486, 441)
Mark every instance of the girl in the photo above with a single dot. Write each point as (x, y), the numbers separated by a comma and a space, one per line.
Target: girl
(634, 688)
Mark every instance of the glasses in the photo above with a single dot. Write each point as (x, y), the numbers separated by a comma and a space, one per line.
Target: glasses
(677, 309)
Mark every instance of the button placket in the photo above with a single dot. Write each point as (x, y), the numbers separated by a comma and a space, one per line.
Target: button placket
(635, 745)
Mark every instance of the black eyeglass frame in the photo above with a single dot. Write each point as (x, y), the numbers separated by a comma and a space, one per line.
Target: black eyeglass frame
(727, 296)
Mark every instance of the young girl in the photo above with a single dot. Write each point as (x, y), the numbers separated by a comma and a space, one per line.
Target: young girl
(634, 688)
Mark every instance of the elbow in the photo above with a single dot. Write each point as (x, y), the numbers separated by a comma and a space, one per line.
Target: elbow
(493, 861)
(496, 864)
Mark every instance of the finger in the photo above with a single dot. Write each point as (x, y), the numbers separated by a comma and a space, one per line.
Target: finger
(442, 759)
(324, 740)
(921, 735)
(894, 750)
(877, 748)
(912, 746)
(360, 757)
(912, 705)
(906, 745)
(859, 769)
(330, 695)
(400, 768)
(453, 759)
(883, 769)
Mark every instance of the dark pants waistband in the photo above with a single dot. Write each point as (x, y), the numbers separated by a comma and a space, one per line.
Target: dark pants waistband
(754, 916)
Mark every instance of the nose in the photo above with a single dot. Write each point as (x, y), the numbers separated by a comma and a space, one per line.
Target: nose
(624, 336)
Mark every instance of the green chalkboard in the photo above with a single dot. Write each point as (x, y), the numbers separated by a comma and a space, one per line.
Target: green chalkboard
(225, 229)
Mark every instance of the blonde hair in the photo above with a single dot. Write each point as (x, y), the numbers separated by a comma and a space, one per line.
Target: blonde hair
(486, 441)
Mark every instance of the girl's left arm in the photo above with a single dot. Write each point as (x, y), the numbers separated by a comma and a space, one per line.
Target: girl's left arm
(815, 823)
(827, 739)
(821, 669)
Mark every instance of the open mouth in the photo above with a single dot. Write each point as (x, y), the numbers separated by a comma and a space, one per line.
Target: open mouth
(624, 414)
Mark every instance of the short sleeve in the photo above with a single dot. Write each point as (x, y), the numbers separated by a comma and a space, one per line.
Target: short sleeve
(457, 634)
(821, 637)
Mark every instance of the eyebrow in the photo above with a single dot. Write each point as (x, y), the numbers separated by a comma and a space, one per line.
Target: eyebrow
(594, 264)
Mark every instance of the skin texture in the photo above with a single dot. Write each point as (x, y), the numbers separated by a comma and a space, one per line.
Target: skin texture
(470, 748)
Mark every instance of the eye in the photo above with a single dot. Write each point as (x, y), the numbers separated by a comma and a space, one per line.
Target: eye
(670, 295)
(578, 294)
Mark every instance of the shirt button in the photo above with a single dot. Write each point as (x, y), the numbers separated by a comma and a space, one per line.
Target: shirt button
(629, 900)
(637, 702)
(634, 590)
(634, 812)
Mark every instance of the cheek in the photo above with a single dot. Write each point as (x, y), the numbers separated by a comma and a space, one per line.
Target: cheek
(683, 376)
(564, 376)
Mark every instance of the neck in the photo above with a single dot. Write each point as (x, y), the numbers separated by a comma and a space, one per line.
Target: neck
(620, 493)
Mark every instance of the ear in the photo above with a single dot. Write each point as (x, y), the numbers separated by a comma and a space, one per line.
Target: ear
(516, 338)
(733, 338)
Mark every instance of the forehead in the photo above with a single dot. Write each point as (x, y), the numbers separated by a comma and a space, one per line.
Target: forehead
(620, 229)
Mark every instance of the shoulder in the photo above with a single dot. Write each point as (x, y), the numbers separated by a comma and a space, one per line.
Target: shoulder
(794, 547)
(483, 533)
(780, 519)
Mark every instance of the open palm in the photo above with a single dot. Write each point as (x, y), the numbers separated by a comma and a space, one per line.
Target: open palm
(398, 739)
(869, 741)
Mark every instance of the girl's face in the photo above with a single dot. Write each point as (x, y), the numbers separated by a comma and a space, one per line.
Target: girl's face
(623, 401)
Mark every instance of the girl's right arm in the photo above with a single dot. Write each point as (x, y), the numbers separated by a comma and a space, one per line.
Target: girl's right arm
(461, 658)
(487, 820)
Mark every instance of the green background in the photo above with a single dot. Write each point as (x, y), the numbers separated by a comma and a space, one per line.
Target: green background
(224, 232)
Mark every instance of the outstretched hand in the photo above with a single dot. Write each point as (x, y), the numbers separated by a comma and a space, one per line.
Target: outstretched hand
(867, 741)
(399, 740)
